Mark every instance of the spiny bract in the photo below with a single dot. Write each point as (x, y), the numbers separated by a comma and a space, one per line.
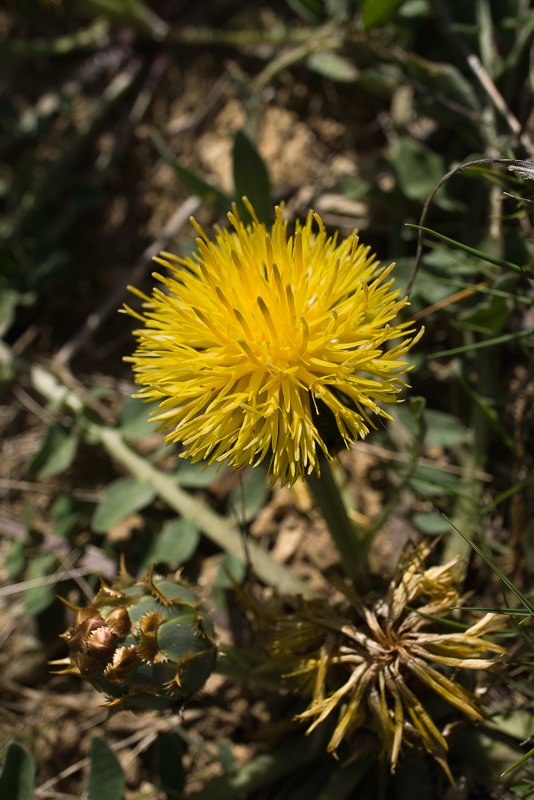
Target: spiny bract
(145, 643)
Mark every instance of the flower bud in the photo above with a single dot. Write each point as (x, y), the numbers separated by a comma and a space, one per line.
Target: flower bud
(145, 643)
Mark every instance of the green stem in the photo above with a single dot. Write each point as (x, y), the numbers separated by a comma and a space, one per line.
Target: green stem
(95, 35)
(218, 529)
(191, 35)
(215, 527)
(350, 546)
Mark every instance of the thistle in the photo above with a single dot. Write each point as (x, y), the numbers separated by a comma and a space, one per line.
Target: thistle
(144, 643)
(260, 342)
(371, 666)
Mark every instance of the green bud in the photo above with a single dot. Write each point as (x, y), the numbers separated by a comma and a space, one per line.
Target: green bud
(145, 643)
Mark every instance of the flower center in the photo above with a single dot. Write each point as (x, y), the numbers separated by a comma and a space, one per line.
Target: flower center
(273, 336)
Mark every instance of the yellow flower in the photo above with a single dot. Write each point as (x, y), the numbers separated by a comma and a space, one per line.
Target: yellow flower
(372, 667)
(260, 340)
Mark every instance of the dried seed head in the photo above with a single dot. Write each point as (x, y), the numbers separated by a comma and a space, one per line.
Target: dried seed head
(372, 666)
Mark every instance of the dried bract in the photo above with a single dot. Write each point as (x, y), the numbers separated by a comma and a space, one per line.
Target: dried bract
(373, 665)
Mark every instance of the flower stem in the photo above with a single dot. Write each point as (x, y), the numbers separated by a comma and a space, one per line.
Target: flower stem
(350, 546)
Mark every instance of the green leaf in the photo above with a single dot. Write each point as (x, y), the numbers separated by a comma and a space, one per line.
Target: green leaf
(415, 8)
(226, 756)
(418, 169)
(251, 179)
(431, 524)
(446, 84)
(9, 299)
(491, 564)
(494, 342)
(519, 762)
(132, 12)
(499, 262)
(332, 66)
(376, 12)
(134, 420)
(106, 779)
(207, 192)
(514, 295)
(175, 544)
(308, 10)
(489, 317)
(355, 188)
(39, 597)
(344, 781)
(248, 497)
(170, 767)
(230, 570)
(198, 475)
(66, 512)
(445, 430)
(17, 779)
(15, 558)
(440, 263)
(378, 83)
(259, 774)
(429, 482)
(56, 452)
(121, 498)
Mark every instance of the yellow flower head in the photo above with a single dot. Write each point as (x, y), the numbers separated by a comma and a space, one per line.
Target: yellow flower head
(260, 338)
(373, 666)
